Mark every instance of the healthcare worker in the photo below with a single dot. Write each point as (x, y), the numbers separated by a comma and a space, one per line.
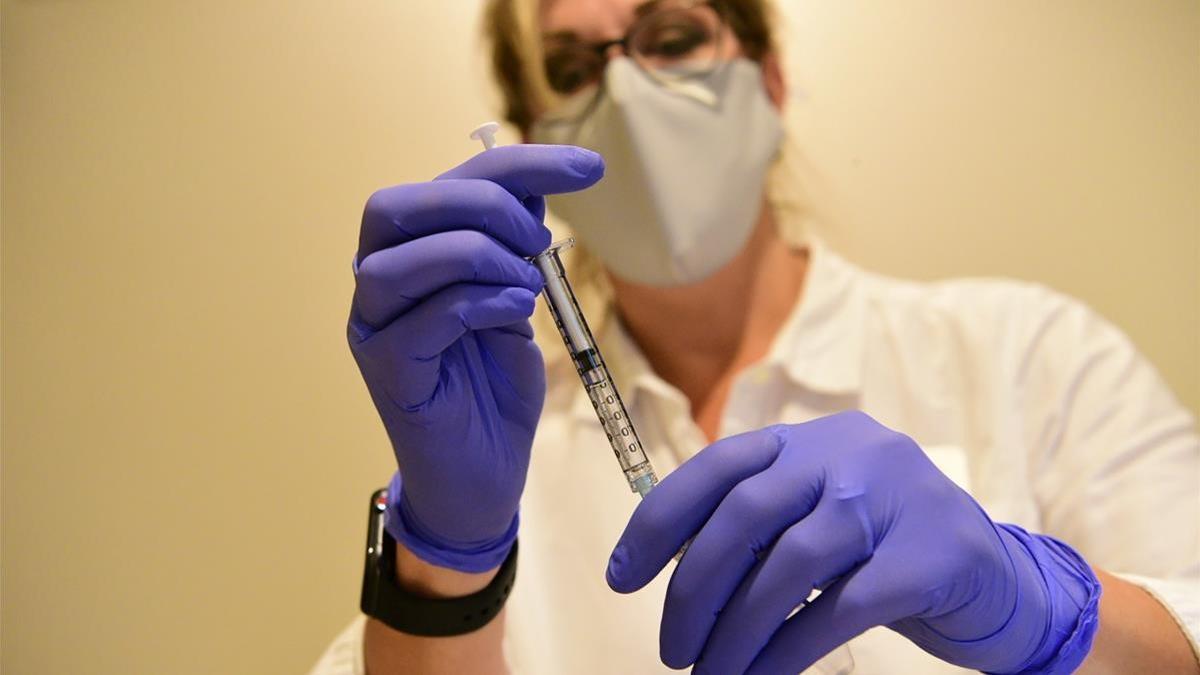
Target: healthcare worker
(975, 474)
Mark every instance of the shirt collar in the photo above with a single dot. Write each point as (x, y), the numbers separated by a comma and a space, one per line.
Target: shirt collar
(818, 348)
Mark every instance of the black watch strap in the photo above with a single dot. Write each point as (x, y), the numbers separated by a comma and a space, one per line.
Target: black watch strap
(383, 598)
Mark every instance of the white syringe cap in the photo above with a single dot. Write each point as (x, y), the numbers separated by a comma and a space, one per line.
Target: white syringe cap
(486, 133)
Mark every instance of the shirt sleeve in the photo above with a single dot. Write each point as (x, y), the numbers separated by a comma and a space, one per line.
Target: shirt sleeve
(1116, 464)
(1181, 597)
(344, 656)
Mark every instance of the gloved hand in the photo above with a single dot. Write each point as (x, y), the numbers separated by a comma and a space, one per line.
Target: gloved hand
(439, 328)
(846, 505)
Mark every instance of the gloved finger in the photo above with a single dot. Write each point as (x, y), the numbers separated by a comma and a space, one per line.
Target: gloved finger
(746, 523)
(402, 213)
(825, 545)
(391, 281)
(412, 344)
(432, 326)
(521, 328)
(864, 598)
(523, 370)
(530, 170)
(674, 510)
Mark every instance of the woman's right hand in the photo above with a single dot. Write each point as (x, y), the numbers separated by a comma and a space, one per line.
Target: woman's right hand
(439, 328)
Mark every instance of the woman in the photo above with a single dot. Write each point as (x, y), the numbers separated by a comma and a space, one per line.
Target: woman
(963, 468)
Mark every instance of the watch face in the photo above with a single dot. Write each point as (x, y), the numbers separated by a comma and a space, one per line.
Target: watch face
(376, 553)
(375, 524)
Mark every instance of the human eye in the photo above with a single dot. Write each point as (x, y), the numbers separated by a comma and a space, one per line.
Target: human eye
(672, 36)
(672, 40)
(570, 67)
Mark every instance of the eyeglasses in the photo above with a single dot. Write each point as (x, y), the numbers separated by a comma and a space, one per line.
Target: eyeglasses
(669, 40)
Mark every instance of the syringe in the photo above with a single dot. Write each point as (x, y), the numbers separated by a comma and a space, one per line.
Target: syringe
(587, 359)
(606, 400)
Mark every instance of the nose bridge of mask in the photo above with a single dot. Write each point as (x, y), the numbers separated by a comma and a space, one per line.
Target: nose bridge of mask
(623, 77)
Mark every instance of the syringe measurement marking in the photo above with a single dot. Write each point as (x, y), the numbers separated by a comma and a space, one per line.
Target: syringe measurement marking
(604, 404)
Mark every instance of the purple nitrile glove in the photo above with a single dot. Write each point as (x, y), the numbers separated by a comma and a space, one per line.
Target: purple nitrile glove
(439, 328)
(846, 505)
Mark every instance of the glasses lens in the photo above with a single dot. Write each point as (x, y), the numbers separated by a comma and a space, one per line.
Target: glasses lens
(678, 37)
(571, 67)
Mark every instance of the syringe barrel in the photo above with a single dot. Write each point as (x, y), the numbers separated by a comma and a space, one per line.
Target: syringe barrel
(593, 372)
(561, 300)
(621, 435)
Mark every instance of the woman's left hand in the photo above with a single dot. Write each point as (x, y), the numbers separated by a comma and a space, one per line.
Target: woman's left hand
(846, 505)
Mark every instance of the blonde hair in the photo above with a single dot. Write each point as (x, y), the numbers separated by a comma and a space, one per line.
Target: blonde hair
(511, 31)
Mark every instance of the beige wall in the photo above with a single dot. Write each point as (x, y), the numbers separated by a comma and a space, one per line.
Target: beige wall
(187, 450)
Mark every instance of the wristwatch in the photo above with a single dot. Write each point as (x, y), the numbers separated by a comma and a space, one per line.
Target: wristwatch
(383, 598)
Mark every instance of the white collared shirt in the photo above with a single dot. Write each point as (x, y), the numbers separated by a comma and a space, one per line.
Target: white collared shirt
(1043, 411)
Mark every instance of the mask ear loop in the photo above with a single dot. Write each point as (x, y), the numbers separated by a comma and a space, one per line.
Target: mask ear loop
(576, 109)
(580, 122)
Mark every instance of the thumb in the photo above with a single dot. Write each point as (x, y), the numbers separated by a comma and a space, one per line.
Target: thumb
(678, 507)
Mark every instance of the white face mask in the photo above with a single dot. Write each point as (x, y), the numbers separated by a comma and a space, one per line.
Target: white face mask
(686, 164)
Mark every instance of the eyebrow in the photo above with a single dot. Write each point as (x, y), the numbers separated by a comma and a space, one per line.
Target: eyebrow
(639, 11)
(563, 35)
(645, 8)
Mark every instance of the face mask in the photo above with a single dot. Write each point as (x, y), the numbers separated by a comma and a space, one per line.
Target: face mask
(686, 164)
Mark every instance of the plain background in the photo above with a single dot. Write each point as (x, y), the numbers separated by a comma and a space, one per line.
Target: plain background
(187, 447)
